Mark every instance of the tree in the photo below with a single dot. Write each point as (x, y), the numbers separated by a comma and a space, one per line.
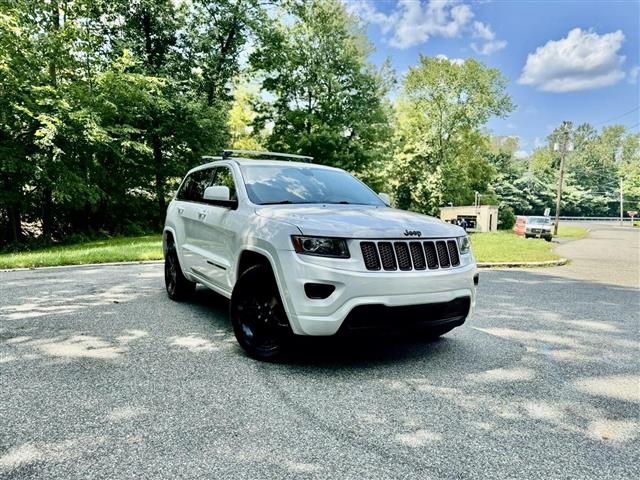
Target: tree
(17, 120)
(328, 101)
(441, 110)
(241, 118)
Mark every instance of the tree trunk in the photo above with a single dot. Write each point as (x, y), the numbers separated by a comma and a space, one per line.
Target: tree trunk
(158, 164)
(47, 193)
(15, 224)
(47, 212)
(13, 211)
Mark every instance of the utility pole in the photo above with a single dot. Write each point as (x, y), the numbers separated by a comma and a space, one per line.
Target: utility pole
(622, 204)
(563, 152)
(617, 158)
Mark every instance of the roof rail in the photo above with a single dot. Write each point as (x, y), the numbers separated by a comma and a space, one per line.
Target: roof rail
(286, 156)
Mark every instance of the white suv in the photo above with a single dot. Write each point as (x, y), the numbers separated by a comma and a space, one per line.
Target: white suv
(306, 249)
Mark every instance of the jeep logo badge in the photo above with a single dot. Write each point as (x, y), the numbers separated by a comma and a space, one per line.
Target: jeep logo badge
(412, 233)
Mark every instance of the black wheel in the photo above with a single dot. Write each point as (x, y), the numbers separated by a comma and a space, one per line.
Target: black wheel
(548, 239)
(257, 314)
(178, 286)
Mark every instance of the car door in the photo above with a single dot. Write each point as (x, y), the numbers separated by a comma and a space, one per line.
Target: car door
(217, 231)
(190, 212)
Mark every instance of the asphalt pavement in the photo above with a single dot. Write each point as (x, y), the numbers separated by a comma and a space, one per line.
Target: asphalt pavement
(101, 376)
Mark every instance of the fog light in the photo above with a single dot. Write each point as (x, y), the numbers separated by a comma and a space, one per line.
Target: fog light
(318, 291)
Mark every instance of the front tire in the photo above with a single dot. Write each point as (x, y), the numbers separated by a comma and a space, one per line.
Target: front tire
(257, 314)
(177, 285)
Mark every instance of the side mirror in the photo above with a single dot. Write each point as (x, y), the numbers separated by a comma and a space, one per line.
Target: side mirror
(219, 195)
(385, 198)
(216, 193)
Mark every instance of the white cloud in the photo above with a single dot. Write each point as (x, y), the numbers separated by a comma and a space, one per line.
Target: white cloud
(520, 154)
(481, 30)
(455, 61)
(418, 22)
(489, 44)
(488, 48)
(368, 13)
(414, 22)
(581, 61)
(633, 75)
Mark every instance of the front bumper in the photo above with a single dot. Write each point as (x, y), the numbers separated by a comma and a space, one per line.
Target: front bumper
(357, 288)
(538, 233)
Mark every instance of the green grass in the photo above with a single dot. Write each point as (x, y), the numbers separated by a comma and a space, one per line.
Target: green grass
(118, 249)
(502, 246)
(506, 246)
(565, 231)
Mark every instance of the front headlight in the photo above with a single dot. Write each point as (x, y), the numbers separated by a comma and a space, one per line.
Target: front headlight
(322, 247)
(464, 245)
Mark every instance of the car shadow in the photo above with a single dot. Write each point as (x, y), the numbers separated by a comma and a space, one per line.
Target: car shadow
(342, 350)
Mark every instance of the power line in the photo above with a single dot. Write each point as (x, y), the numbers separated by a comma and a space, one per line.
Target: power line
(619, 116)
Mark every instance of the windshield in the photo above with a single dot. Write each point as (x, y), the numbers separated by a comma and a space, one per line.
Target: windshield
(274, 184)
(539, 221)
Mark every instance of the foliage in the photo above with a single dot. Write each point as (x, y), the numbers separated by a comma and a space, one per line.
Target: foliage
(326, 100)
(104, 104)
(592, 175)
(506, 218)
(441, 156)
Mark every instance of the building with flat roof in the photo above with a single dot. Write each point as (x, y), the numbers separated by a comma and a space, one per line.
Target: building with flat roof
(482, 218)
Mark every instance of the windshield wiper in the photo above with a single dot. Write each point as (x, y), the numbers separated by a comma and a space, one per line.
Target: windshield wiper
(281, 202)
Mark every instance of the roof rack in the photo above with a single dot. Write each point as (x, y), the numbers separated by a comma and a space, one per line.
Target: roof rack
(286, 156)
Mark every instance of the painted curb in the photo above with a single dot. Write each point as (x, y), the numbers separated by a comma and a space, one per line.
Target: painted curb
(548, 263)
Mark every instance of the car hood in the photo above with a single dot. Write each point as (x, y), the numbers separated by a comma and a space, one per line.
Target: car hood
(349, 221)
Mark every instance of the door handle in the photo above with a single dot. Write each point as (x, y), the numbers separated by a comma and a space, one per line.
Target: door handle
(202, 213)
(180, 210)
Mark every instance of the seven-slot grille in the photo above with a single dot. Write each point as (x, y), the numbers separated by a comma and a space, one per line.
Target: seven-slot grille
(410, 255)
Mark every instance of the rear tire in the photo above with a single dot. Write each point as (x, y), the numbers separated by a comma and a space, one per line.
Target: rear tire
(257, 315)
(177, 285)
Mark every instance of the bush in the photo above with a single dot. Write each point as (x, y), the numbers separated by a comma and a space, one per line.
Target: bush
(506, 218)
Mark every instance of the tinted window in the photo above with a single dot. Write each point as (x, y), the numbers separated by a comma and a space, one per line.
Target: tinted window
(269, 184)
(223, 176)
(193, 186)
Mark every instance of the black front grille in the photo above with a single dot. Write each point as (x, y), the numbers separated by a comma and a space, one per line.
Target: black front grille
(370, 255)
(402, 252)
(410, 255)
(443, 255)
(387, 256)
(417, 253)
(453, 253)
(430, 252)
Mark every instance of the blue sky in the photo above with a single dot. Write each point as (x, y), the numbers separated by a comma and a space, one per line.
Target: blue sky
(565, 60)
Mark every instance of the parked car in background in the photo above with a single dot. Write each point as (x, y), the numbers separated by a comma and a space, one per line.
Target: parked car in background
(534, 227)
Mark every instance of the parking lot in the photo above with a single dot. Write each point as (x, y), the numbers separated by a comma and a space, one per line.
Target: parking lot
(101, 376)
